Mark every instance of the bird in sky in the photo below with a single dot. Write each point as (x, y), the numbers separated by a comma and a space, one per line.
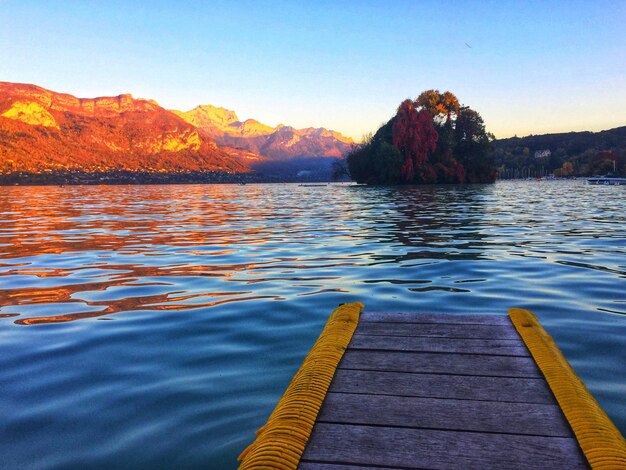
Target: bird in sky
(468, 45)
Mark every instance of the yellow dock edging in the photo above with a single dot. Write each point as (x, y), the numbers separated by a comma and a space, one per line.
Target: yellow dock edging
(281, 441)
(601, 442)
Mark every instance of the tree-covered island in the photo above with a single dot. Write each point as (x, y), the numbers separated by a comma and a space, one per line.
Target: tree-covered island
(430, 140)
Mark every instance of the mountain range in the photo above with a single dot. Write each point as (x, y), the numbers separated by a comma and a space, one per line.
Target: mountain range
(278, 143)
(42, 131)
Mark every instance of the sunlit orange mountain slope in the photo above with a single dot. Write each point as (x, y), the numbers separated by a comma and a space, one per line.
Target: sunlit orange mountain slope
(277, 143)
(43, 131)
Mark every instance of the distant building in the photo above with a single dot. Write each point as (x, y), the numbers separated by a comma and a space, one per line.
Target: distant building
(542, 153)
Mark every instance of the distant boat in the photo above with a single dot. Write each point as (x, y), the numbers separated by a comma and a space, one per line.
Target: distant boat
(607, 180)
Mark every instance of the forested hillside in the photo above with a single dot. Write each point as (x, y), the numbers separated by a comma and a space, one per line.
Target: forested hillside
(566, 154)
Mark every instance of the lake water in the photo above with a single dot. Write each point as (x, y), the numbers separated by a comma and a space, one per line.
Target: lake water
(157, 326)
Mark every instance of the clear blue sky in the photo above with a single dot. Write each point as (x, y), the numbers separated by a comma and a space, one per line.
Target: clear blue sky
(533, 66)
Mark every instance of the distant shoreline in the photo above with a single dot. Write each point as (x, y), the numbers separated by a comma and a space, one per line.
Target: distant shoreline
(74, 178)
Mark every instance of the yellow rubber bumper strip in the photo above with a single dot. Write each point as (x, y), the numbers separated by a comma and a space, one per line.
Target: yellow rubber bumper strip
(281, 441)
(601, 442)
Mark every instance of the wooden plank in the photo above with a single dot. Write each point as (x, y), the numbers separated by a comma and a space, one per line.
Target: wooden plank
(438, 330)
(435, 318)
(420, 448)
(436, 413)
(505, 389)
(331, 466)
(496, 347)
(456, 364)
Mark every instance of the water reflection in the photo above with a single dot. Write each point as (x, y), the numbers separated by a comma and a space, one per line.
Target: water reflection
(443, 222)
(44, 220)
(215, 293)
(148, 302)
(63, 245)
(128, 276)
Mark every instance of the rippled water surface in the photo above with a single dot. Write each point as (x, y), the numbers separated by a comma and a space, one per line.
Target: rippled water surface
(157, 326)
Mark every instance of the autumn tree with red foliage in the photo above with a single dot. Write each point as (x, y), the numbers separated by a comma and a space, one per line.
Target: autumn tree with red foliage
(431, 140)
(442, 106)
(414, 135)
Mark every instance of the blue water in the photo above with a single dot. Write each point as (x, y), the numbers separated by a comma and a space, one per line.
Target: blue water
(157, 326)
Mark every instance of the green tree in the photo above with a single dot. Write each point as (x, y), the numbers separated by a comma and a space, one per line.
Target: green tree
(375, 163)
(472, 147)
(430, 140)
(340, 169)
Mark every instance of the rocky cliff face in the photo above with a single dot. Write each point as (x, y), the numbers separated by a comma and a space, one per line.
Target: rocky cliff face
(279, 143)
(42, 131)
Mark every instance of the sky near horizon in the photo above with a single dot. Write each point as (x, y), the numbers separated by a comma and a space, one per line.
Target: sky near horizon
(528, 67)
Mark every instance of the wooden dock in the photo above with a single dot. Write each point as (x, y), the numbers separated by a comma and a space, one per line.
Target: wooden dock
(415, 391)
(439, 391)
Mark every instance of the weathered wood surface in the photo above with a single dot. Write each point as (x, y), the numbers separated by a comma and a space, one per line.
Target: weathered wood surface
(333, 466)
(496, 347)
(439, 330)
(435, 363)
(437, 413)
(439, 391)
(428, 448)
(435, 318)
(506, 389)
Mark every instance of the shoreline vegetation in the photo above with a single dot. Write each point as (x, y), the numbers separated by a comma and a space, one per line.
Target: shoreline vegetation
(431, 140)
(78, 178)
(50, 138)
(122, 177)
(565, 155)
